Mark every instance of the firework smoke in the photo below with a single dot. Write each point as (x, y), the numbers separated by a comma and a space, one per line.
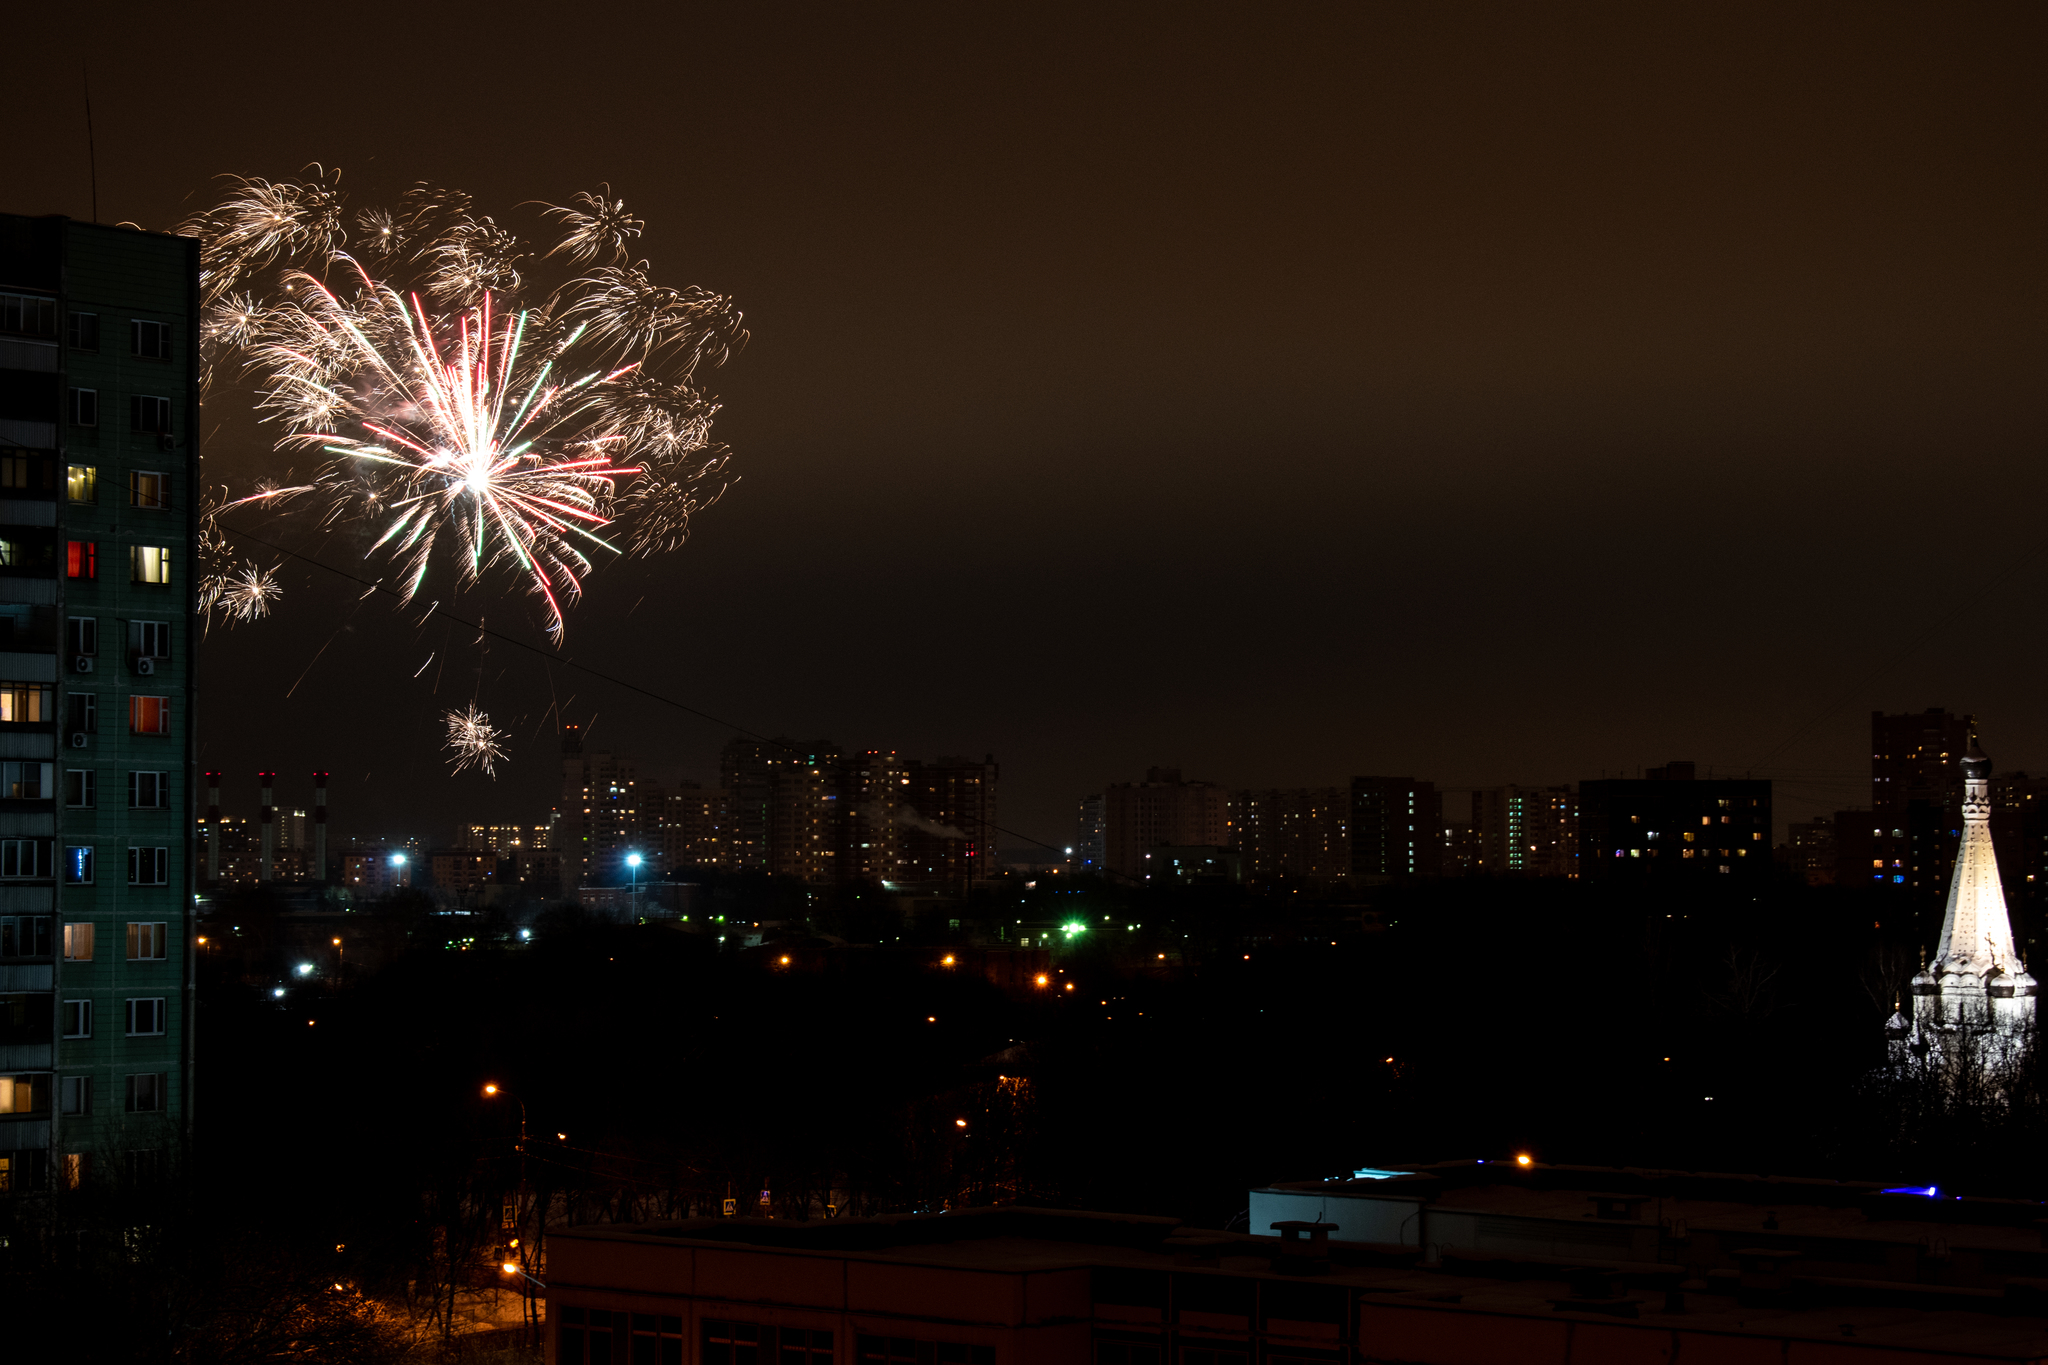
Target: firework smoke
(470, 397)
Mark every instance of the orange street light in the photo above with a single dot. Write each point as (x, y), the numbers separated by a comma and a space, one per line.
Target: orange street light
(1523, 1159)
(946, 961)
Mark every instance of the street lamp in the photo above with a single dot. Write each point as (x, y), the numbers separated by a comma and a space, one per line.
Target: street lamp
(633, 868)
(491, 1091)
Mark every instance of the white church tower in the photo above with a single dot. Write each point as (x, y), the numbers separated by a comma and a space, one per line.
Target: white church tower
(1977, 977)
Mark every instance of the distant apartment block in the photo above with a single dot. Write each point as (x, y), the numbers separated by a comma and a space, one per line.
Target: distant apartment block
(1163, 810)
(1397, 827)
(1673, 827)
(1296, 833)
(1525, 831)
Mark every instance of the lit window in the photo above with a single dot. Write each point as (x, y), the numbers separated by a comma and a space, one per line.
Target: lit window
(149, 715)
(81, 483)
(78, 866)
(147, 489)
(146, 943)
(22, 1094)
(27, 703)
(150, 564)
(80, 560)
(78, 942)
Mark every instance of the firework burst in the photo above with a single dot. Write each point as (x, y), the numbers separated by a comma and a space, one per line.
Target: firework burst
(474, 741)
(465, 408)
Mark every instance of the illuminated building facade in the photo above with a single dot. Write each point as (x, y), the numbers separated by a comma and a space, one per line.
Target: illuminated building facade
(1526, 831)
(98, 458)
(1977, 976)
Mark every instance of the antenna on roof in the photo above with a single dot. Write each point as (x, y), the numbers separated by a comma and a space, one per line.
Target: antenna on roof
(92, 157)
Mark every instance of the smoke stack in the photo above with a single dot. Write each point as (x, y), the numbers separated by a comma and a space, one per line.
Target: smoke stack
(269, 825)
(320, 827)
(213, 827)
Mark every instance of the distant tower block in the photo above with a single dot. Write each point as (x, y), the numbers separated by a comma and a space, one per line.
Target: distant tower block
(319, 827)
(269, 825)
(1977, 978)
(213, 827)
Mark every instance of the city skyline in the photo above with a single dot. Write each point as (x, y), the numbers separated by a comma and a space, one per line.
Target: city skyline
(1539, 298)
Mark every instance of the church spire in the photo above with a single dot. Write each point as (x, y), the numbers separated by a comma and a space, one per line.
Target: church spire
(1977, 973)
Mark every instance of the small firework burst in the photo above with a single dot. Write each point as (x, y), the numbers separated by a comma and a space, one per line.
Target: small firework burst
(475, 741)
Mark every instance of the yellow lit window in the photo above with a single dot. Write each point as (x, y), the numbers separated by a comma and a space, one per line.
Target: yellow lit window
(78, 942)
(81, 483)
(151, 564)
(26, 703)
(1688, 839)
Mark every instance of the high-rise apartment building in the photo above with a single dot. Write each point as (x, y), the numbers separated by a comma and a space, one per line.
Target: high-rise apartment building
(946, 822)
(601, 821)
(1526, 831)
(1162, 810)
(99, 406)
(1091, 835)
(1397, 827)
(1916, 796)
(1301, 833)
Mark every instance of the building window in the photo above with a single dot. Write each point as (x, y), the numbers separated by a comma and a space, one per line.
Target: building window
(149, 791)
(78, 942)
(77, 1017)
(83, 331)
(81, 560)
(24, 315)
(149, 715)
(147, 943)
(149, 564)
(25, 703)
(149, 415)
(85, 407)
(149, 867)
(29, 472)
(27, 781)
(145, 1017)
(79, 784)
(84, 718)
(805, 1346)
(146, 1092)
(78, 865)
(82, 635)
(24, 1094)
(731, 1343)
(585, 1336)
(150, 340)
(24, 935)
(146, 489)
(893, 1349)
(81, 483)
(72, 1169)
(24, 860)
(657, 1337)
(150, 639)
(76, 1093)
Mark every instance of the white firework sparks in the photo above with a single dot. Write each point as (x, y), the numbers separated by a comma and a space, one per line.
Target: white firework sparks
(463, 400)
(475, 741)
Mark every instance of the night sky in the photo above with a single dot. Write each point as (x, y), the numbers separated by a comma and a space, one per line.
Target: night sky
(1494, 394)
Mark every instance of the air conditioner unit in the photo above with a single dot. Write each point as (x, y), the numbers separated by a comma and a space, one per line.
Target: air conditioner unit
(78, 739)
(82, 664)
(145, 666)
(166, 442)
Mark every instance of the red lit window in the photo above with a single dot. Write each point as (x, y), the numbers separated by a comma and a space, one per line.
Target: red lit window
(80, 561)
(149, 715)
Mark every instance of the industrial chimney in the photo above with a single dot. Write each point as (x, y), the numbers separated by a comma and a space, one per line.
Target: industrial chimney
(212, 827)
(320, 827)
(269, 825)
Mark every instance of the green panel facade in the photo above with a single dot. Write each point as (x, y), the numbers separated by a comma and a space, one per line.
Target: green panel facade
(98, 493)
